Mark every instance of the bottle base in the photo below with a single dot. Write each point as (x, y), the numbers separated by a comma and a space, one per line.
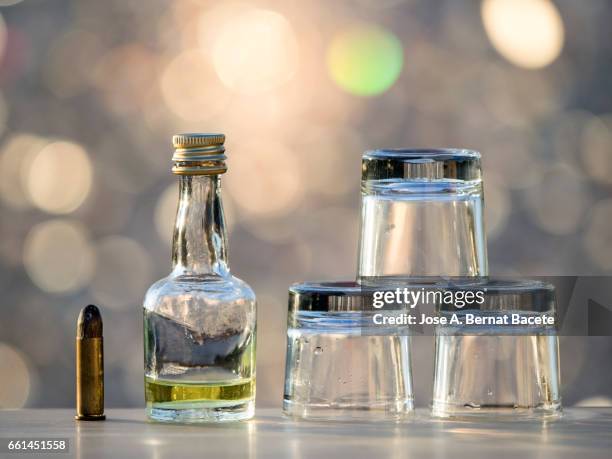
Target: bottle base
(392, 411)
(497, 412)
(197, 413)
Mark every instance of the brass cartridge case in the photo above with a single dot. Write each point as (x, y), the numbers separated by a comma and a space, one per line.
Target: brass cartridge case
(89, 366)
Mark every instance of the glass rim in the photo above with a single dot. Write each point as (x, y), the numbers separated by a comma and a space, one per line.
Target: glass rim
(499, 293)
(421, 153)
(413, 164)
(326, 296)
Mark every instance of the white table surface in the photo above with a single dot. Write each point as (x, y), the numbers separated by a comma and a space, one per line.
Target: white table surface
(581, 433)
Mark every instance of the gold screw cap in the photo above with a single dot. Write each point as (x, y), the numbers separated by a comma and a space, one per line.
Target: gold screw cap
(199, 154)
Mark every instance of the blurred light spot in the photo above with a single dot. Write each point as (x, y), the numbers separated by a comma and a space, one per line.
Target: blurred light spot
(255, 51)
(15, 156)
(529, 33)
(270, 109)
(595, 402)
(597, 149)
(59, 178)
(498, 205)
(179, 25)
(365, 59)
(9, 2)
(211, 20)
(123, 272)
(598, 237)
(16, 378)
(58, 256)
(265, 180)
(556, 203)
(191, 89)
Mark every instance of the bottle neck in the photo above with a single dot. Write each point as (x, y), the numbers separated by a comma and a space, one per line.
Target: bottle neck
(199, 244)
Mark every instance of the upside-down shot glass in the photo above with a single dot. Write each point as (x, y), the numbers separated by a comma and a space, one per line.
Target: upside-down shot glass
(340, 366)
(488, 369)
(421, 215)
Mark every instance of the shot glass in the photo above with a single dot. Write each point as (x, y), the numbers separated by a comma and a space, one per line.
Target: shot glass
(340, 366)
(421, 215)
(487, 368)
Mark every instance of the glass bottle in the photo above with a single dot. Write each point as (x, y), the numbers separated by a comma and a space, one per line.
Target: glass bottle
(199, 322)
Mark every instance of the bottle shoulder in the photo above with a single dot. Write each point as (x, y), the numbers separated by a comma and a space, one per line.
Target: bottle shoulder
(212, 290)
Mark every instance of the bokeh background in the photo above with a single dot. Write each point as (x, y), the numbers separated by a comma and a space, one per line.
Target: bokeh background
(91, 92)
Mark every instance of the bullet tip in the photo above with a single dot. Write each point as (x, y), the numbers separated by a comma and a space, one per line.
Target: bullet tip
(89, 324)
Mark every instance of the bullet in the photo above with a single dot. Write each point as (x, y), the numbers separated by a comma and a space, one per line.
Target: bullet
(89, 366)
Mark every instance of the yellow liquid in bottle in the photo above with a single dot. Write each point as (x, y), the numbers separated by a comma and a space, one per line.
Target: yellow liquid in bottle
(178, 392)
